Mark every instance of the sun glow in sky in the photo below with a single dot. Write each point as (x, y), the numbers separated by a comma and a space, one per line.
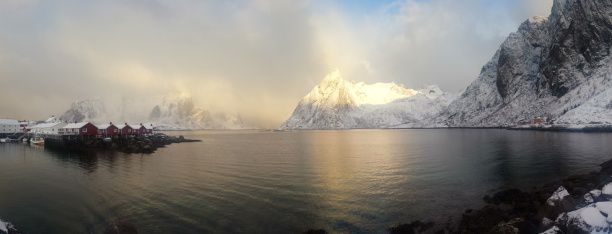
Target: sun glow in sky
(257, 58)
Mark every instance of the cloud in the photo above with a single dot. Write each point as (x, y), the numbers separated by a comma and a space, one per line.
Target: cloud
(253, 57)
(442, 42)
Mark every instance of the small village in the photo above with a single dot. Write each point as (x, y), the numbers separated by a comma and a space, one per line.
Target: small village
(55, 134)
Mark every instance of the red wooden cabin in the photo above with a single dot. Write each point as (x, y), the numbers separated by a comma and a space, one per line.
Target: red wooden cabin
(82, 129)
(126, 129)
(108, 129)
(148, 129)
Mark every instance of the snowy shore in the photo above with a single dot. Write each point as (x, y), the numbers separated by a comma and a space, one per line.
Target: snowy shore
(566, 127)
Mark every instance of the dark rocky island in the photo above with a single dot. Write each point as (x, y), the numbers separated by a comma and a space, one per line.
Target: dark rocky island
(132, 144)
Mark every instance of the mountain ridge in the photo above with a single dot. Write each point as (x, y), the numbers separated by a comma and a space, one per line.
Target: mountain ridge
(336, 103)
(549, 67)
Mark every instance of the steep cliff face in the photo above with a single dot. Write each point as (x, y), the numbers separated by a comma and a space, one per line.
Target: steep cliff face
(549, 67)
(580, 36)
(341, 104)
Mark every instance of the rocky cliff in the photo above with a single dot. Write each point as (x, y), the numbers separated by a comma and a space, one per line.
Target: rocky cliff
(557, 67)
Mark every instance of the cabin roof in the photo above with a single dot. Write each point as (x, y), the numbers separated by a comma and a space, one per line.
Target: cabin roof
(135, 126)
(9, 122)
(105, 126)
(46, 125)
(76, 125)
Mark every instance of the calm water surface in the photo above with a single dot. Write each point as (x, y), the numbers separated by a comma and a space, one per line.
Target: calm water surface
(359, 181)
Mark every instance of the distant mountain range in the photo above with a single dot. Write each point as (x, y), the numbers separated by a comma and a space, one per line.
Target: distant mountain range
(173, 113)
(559, 67)
(182, 114)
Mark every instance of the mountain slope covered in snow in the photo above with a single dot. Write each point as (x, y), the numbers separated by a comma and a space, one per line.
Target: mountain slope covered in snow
(336, 103)
(558, 67)
(91, 109)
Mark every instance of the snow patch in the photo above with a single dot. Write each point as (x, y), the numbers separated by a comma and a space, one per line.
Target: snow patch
(607, 189)
(552, 230)
(557, 196)
(3, 227)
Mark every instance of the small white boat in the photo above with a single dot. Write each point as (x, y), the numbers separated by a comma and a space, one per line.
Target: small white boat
(24, 140)
(37, 141)
(3, 140)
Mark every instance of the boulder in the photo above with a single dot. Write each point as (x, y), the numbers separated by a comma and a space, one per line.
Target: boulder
(559, 202)
(589, 219)
(7, 228)
(606, 191)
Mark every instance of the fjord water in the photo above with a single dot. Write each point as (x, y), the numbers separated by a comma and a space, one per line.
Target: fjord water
(358, 181)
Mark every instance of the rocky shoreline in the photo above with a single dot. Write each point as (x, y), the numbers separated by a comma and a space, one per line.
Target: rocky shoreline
(577, 204)
(135, 144)
(566, 128)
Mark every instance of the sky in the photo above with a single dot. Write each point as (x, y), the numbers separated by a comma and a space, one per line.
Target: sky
(255, 58)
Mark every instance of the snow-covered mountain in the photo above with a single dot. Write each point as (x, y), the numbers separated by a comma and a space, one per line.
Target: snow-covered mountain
(336, 103)
(558, 67)
(173, 113)
(91, 109)
(180, 113)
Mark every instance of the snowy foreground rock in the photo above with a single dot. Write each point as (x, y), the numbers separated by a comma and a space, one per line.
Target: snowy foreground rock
(594, 217)
(7, 228)
(337, 103)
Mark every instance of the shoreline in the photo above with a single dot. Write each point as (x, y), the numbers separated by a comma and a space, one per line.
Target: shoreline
(575, 204)
(135, 144)
(146, 144)
(549, 128)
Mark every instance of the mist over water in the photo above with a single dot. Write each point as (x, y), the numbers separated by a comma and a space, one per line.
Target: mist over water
(359, 181)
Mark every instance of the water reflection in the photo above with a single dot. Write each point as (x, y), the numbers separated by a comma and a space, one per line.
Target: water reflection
(358, 181)
(89, 160)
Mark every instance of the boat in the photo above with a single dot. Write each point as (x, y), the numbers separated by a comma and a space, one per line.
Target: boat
(3, 140)
(24, 140)
(37, 141)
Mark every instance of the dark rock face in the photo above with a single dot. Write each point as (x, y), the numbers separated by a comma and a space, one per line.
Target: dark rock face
(581, 36)
(515, 65)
